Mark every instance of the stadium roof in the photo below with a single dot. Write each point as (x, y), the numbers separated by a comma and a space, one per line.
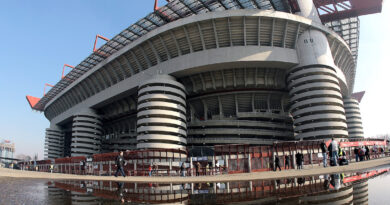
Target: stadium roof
(173, 10)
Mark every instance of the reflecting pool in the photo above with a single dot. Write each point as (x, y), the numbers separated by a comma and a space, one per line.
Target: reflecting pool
(364, 187)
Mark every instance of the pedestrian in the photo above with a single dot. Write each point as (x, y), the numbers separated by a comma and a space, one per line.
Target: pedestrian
(198, 168)
(286, 162)
(299, 160)
(375, 151)
(324, 148)
(82, 167)
(335, 149)
(277, 164)
(183, 169)
(217, 166)
(207, 169)
(356, 152)
(51, 168)
(120, 163)
(367, 153)
(362, 152)
(155, 169)
(150, 170)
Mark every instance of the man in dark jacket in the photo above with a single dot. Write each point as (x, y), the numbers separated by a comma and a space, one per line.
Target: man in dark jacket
(367, 153)
(120, 163)
(286, 162)
(277, 164)
(324, 155)
(356, 152)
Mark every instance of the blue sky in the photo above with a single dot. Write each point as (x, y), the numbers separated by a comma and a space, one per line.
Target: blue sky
(39, 37)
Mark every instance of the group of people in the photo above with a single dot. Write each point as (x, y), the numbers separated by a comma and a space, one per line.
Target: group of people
(299, 161)
(363, 153)
(207, 170)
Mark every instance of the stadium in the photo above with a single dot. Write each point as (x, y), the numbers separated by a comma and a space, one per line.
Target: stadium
(198, 73)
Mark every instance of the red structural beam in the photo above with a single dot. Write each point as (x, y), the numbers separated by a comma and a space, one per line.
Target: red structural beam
(32, 101)
(358, 96)
(331, 10)
(63, 69)
(44, 89)
(95, 50)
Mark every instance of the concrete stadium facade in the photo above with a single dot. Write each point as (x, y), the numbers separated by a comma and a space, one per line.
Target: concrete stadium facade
(244, 76)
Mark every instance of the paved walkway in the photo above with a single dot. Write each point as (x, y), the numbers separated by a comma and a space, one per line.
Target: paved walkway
(316, 170)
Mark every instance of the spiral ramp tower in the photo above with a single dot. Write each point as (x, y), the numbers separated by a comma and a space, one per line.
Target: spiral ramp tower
(314, 85)
(360, 192)
(54, 143)
(354, 119)
(161, 118)
(86, 134)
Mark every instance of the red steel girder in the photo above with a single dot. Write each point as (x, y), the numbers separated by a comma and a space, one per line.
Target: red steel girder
(331, 10)
(63, 69)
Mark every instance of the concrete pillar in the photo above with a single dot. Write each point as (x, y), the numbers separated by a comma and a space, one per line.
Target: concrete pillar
(251, 186)
(227, 162)
(228, 187)
(109, 168)
(191, 167)
(294, 160)
(249, 163)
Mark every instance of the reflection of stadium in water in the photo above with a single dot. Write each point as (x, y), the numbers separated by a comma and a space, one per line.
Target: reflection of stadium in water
(323, 189)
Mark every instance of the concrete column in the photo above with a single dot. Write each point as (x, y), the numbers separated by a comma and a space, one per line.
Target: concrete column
(170, 166)
(227, 162)
(109, 168)
(294, 160)
(249, 163)
(191, 166)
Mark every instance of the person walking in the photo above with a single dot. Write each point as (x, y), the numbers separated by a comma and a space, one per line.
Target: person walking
(362, 153)
(183, 169)
(120, 163)
(367, 153)
(356, 152)
(299, 158)
(375, 151)
(198, 168)
(277, 164)
(150, 170)
(82, 167)
(324, 149)
(286, 162)
(335, 149)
